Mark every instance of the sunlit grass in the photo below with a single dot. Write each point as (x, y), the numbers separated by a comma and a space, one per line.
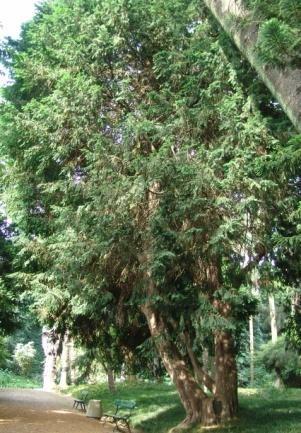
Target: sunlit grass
(159, 409)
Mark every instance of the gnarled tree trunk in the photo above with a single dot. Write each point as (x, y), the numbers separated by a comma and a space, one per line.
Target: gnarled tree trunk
(198, 407)
(185, 371)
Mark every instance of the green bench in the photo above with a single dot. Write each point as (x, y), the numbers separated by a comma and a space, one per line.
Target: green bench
(81, 402)
(123, 412)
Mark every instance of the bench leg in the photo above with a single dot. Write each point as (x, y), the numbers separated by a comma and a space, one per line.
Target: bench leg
(128, 426)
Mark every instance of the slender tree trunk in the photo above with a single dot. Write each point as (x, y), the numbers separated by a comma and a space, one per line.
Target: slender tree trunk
(226, 375)
(73, 373)
(274, 330)
(111, 380)
(284, 83)
(65, 362)
(200, 374)
(251, 338)
(50, 343)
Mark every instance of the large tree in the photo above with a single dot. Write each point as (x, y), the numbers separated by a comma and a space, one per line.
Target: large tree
(138, 177)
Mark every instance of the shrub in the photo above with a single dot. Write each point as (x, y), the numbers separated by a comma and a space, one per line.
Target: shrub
(284, 361)
(24, 355)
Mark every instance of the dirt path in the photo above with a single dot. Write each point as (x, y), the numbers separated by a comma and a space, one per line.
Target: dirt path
(35, 411)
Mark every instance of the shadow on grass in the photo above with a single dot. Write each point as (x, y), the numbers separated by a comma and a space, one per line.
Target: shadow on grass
(159, 408)
(263, 416)
(162, 421)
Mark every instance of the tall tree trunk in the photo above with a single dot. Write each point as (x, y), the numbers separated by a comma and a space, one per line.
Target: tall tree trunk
(226, 375)
(65, 362)
(72, 351)
(251, 341)
(50, 343)
(198, 407)
(274, 330)
(283, 83)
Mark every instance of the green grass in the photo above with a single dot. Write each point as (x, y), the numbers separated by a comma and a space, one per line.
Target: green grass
(159, 408)
(267, 411)
(11, 380)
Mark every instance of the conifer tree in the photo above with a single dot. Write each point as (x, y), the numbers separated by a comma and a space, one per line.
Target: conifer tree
(138, 177)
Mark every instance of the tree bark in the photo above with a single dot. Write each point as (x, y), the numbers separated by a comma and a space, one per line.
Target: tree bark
(111, 380)
(225, 376)
(202, 376)
(284, 84)
(73, 372)
(50, 343)
(65, 362)
(274, 330)
(198, 407)
(251, 341)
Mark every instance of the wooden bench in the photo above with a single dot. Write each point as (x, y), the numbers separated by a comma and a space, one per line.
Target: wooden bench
(80, 403)
(123, 412)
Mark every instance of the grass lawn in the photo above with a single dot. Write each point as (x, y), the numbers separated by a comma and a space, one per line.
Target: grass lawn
(159, 408)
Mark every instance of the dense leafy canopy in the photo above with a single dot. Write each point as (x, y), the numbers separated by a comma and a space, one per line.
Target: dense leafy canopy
(139, 171)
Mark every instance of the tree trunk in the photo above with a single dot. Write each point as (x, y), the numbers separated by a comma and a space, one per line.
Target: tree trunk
(111, 380)
(73, 372)
(283, 83)
(65, 362)
(198, 407)
(251, 339)
(225, 376)
(274, 330)
(200, 374)
(50, 343)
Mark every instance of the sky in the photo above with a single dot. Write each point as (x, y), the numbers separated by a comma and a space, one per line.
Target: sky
(13, 13)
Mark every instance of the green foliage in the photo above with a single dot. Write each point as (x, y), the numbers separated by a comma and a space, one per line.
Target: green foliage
(4, 354)
(279, 38)
(276, 42)
(24, 355)
(11, 380)
(137, 171)
(293, 330)
(283, 360)
(9, 297)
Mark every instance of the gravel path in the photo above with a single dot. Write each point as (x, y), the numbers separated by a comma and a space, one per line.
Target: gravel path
(35, 411)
